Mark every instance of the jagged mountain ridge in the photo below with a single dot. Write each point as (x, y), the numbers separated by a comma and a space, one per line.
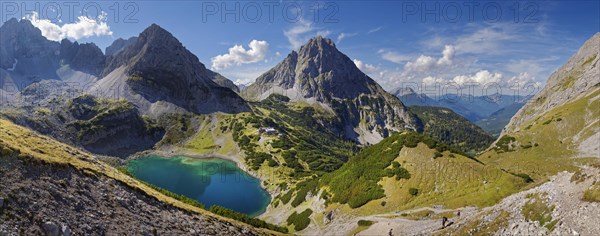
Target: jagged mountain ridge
(139, 74)
(85, 57)
(21, 47)
(319, 74)
(116, 128)
(118, 45)
(473, 108)
(28, 57)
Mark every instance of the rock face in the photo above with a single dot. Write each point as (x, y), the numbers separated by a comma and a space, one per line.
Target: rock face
(578, 77)
(118, 46)
(223, 82)
(85, 57)
(166, 76)
(26, 53)
(158, 74)
(320, 74)
(101, 126)
(28, 57)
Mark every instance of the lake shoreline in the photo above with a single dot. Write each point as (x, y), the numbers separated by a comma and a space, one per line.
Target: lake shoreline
(239, 163)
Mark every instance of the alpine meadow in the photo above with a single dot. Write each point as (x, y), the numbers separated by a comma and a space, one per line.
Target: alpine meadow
(300, 118)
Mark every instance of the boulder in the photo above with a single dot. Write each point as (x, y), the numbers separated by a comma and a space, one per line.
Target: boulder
(51, 229)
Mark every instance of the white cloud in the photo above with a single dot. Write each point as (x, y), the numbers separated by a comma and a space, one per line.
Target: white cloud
(425, 63)
(323, 33)
(523, 79)
(481, 78)
(366, 68)
(342, 36)
(431, 80)
(447, 55)
(434, 42)
(422, 63)
(508, 54)
(486, 40)
(238, 55)
(375, 30)
(84, 27)
(302, 31)
(392, 56)
(294, 34)
(533, 67)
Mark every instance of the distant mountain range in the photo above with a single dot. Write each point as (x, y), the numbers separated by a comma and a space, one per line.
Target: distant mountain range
(490, 112)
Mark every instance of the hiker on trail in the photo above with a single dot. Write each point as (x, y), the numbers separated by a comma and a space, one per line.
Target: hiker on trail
(444, 219)
(458, 213)
(390, 233)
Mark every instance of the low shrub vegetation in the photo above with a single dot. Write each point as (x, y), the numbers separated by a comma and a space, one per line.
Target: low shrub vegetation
(592, 194)
(356, 183)
(222, 211)
(537, 209)
(300, 221)
(365, 223)
(504, 144)
(413, 191)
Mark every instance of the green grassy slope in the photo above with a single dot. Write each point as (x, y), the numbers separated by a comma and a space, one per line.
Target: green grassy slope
(545, 145)
(369, 182)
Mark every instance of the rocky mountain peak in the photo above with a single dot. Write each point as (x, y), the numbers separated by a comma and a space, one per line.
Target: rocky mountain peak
(150, 48)
(11, 21)
(404, 92)
(118, 45)
(23, 25)
(320, 74)
(319, 43)
(156, 35)
(159, 68)
(24, 50)
(86, 57)
(320, 55)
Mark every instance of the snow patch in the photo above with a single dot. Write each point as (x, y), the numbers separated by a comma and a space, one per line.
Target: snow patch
(14, 66)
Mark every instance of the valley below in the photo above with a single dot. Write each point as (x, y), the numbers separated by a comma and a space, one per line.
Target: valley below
(160, 144)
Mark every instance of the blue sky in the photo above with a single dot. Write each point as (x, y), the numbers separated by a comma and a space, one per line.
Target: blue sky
(508, 43)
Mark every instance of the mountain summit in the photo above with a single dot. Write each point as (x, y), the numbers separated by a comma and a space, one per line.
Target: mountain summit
(320, 74)
(159, 75)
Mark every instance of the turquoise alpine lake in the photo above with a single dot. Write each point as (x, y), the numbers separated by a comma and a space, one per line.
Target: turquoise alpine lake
(209, 181)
